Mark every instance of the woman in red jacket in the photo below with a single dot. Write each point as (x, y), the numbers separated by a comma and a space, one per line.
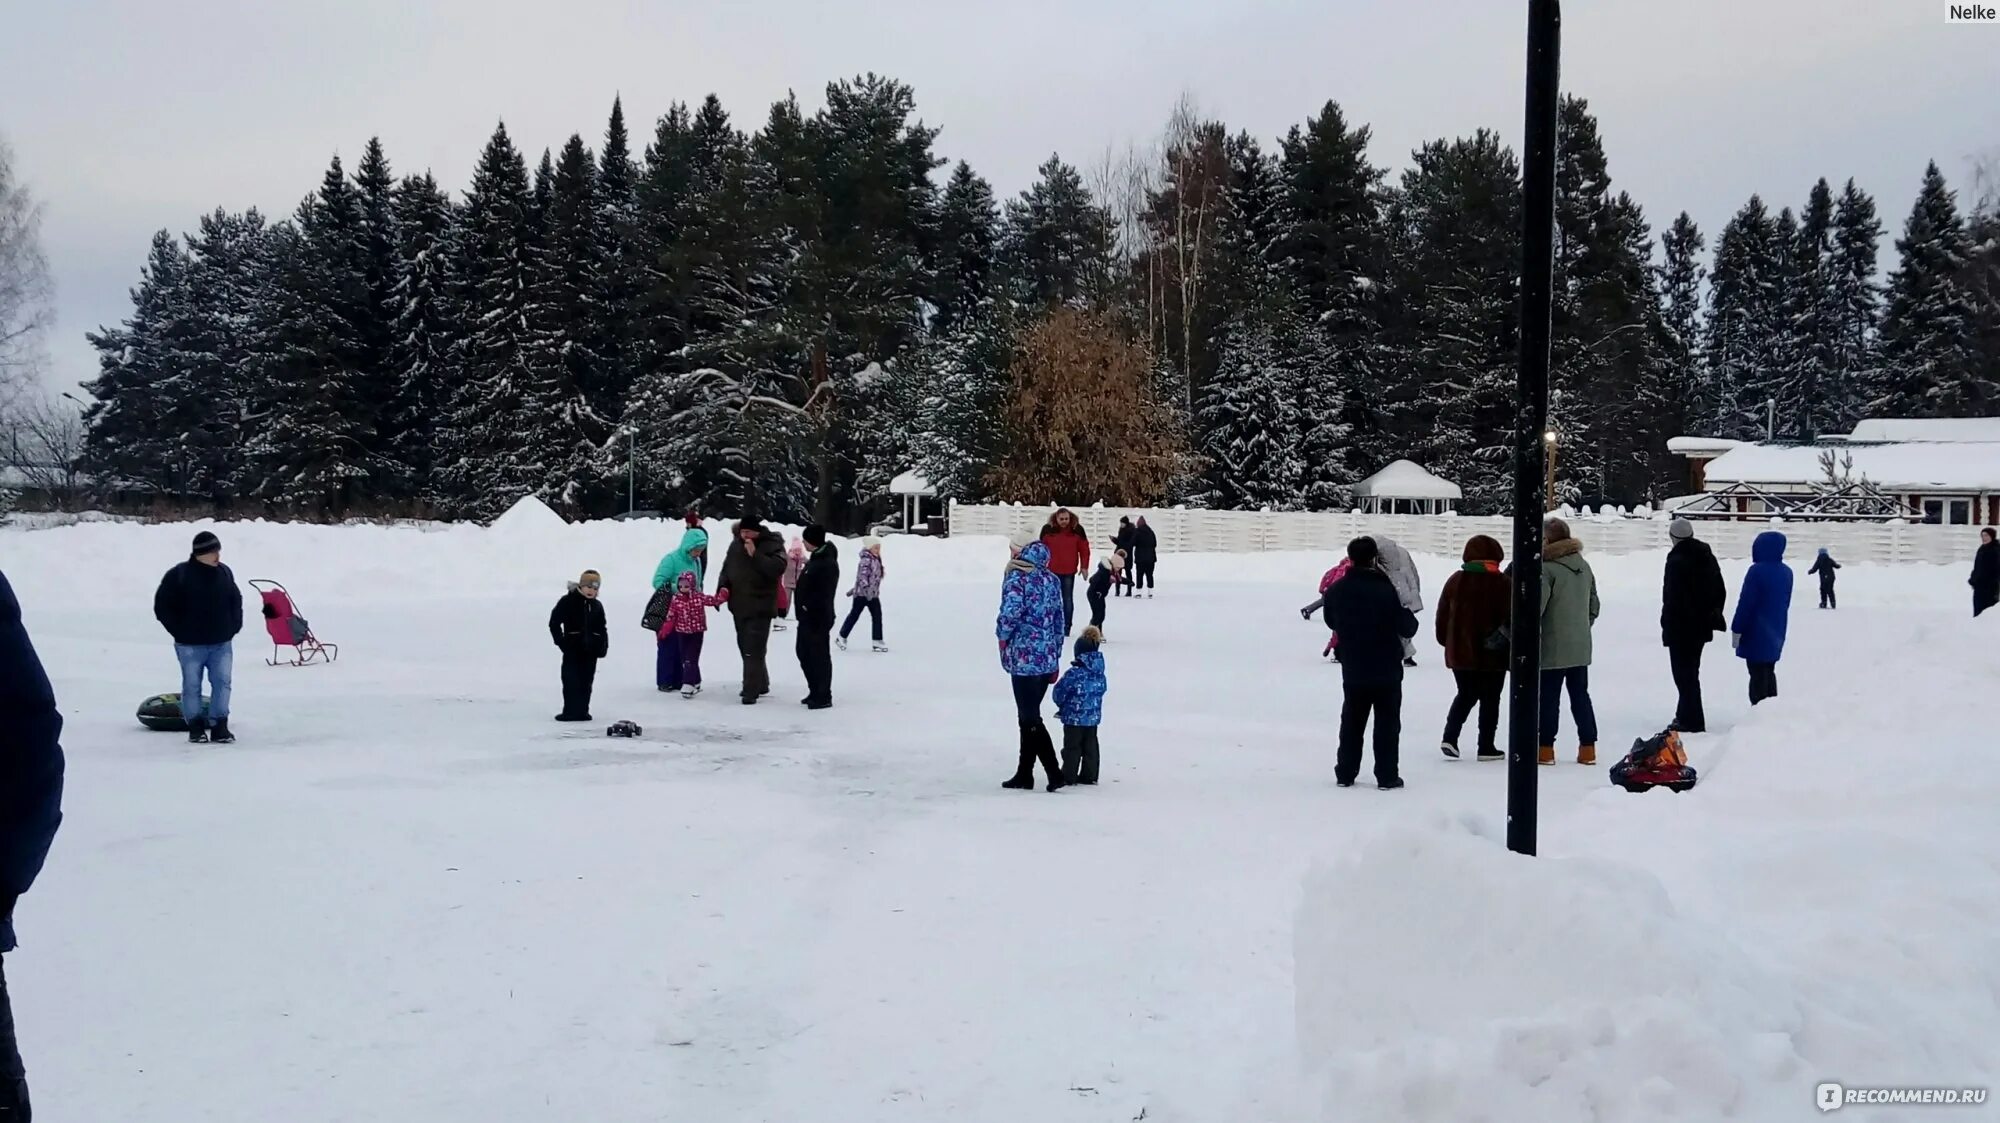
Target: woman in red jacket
(1069, 555)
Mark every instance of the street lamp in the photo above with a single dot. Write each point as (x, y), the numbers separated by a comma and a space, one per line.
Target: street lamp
(1549, 486)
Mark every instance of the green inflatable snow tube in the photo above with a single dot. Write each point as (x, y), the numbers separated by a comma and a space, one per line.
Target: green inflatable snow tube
(162, 713)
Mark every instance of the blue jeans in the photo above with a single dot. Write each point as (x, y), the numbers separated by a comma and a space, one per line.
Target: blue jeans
(215, 658)
(1578, 680)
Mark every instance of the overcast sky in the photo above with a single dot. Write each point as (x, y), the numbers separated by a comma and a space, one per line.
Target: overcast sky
(130, 116)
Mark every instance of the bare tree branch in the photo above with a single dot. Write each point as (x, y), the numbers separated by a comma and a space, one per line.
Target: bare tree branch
(24, 281)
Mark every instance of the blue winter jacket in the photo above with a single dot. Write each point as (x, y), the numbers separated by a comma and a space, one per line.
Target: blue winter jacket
(31, 762)
(1080, 692)
(1765, 604)
(1031, 627)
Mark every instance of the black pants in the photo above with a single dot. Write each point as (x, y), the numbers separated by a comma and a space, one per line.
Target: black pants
(815, 646)
(873, 606)
(1386, 703)
(1482, 689)
(13, 1076)
(1826, 597)
(1029, 692)
(1079, 754)
(1685, 658)
(1096, 609)
(1068, 583)
(1143, 562)
(1981, 603)
(753, 642)
(579, 674)
(1763, 682)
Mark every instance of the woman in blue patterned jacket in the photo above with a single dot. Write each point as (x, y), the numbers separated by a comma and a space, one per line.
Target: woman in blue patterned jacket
(1031, 631)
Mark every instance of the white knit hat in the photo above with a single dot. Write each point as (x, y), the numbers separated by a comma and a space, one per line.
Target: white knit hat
(1021, 541)
(871, 542)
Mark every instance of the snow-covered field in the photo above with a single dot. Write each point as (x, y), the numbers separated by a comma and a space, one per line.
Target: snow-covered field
(407, 895)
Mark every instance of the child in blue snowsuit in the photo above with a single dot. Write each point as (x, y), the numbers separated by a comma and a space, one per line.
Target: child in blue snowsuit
(1763, 610)
(1080, 706)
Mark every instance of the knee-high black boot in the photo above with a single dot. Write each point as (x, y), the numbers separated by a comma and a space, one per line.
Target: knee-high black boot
(1045, 749)
(1024, 771)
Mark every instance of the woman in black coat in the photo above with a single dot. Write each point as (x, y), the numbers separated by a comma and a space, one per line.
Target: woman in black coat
(1691, 604)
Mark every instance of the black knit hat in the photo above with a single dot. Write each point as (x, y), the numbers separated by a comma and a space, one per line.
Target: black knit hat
(1363, 551)
(815, 536)
(205, 543)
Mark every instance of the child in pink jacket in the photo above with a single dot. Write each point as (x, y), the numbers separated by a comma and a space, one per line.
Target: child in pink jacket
(681, 635)
(795, 564)
(1326, 582)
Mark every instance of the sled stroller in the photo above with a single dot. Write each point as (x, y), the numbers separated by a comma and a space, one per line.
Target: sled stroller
(289, 629)
(1655, 762)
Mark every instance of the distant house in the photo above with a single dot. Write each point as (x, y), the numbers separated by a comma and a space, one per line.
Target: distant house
(1935, 471)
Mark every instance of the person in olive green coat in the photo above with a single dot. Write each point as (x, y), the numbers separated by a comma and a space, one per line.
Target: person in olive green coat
(1569, 610)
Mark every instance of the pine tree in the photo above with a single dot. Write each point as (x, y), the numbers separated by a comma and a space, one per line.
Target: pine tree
(1927, 342)
(229, 268)
(619, 255)
(128, 441)
(1056, 244)
(968, 236)
(1458, 218)
(1857, 303)
(425, 333)
(956, 438)
(1246, 419)
(1681, 278)
(574, 290)
(375, 186)
(503, 434)
(1335, 246)
(1745, 318)
(1809, 395)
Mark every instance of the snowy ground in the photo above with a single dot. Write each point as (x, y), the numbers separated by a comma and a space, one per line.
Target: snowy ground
(405, 894)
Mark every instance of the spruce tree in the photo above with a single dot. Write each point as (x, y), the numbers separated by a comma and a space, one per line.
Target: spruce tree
(1745, 330)
(128, 438)
(619, 254)
(1681, 277)
(1857, 303)
(1927, 330)
(425, 335)
(1056, 244)
(1246, 418)
(968, 236)
(375, 186)
(1809, 395)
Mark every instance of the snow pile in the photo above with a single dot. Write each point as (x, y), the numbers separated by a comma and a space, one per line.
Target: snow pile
(1821, 908)
(528, 518)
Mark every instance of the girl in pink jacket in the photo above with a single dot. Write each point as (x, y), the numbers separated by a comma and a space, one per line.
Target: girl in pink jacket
(681, 635)
(1327, 582)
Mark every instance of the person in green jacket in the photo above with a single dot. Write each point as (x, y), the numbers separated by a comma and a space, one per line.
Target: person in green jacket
(1569, 610)
(690, 557)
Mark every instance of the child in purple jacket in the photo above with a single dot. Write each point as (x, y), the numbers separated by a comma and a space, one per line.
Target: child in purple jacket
(866, 594)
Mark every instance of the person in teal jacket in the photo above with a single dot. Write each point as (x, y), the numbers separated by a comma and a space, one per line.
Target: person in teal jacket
(690, 557)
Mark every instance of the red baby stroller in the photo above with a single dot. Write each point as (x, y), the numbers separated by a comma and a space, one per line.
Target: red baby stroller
(289, 629)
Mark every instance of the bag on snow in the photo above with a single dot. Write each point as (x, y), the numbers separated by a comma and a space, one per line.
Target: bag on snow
(655, 616)
(1655, 762)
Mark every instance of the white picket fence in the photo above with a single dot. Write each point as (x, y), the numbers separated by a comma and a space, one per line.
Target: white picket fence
(1235, 532)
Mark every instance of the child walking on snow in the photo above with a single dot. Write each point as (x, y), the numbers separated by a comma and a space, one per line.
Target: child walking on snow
(1080, 707)
(682, 634)
(867, 594)
(1824, 565)
(1109, 571)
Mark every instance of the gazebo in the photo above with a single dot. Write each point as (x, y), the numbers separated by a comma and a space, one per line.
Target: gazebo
(1405, 488)
(913, 489)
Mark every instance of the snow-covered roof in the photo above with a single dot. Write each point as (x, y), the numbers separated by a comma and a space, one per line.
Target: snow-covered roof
(911, 483)
(1701, 446)
(1968, 430)
(1406, 480)
(1893, 467)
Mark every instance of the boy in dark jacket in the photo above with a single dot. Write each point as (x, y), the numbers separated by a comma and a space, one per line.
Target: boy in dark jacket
(1692, 596)
(1472, 617)
(818, 583)
(201, 607)
(1373, 624)
(31, 780)
(1109, 571)
(1824, 565)
(1763, 610)
(1080, 708)
(577, 625)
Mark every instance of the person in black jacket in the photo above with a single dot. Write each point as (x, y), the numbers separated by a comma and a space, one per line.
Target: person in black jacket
(1373, 624)
(1691, 602)
(1145, 552)
(1824, 565)
(751, 570)
(201, 607)
(1985, 573)
(577, 625)
(814, 596)
(31, 782)
(1123, 543)
(1110, 572)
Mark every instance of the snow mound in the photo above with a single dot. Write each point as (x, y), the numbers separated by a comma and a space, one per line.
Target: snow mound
(529, 516)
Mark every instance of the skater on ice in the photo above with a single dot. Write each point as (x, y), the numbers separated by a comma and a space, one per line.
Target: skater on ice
(1122, 543)
(1098, 593)
(752, 575)
(1080, 707)
(814, 596)
(1374, 624)
(1069, 555)
(1824, 565)
(1145, 555)
(1031, 632)
(866, 594)
(1985, 579)
(577, 625)
(1763, 610)
(1692, 598)
(200, 606)
(1569, 612)
(682, 634)
(31, 786)
(1472, 616)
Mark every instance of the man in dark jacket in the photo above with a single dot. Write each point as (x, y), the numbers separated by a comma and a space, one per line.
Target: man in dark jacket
(577, 625)
(814, 596)
(751, 570)
(31, 780)
(1372, 622)
(1985, 573)
(1145, 553)
(201, 607)
(1691, 603)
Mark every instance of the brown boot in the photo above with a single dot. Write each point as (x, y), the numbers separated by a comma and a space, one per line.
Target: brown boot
(1586, 754)
(1548, 754)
